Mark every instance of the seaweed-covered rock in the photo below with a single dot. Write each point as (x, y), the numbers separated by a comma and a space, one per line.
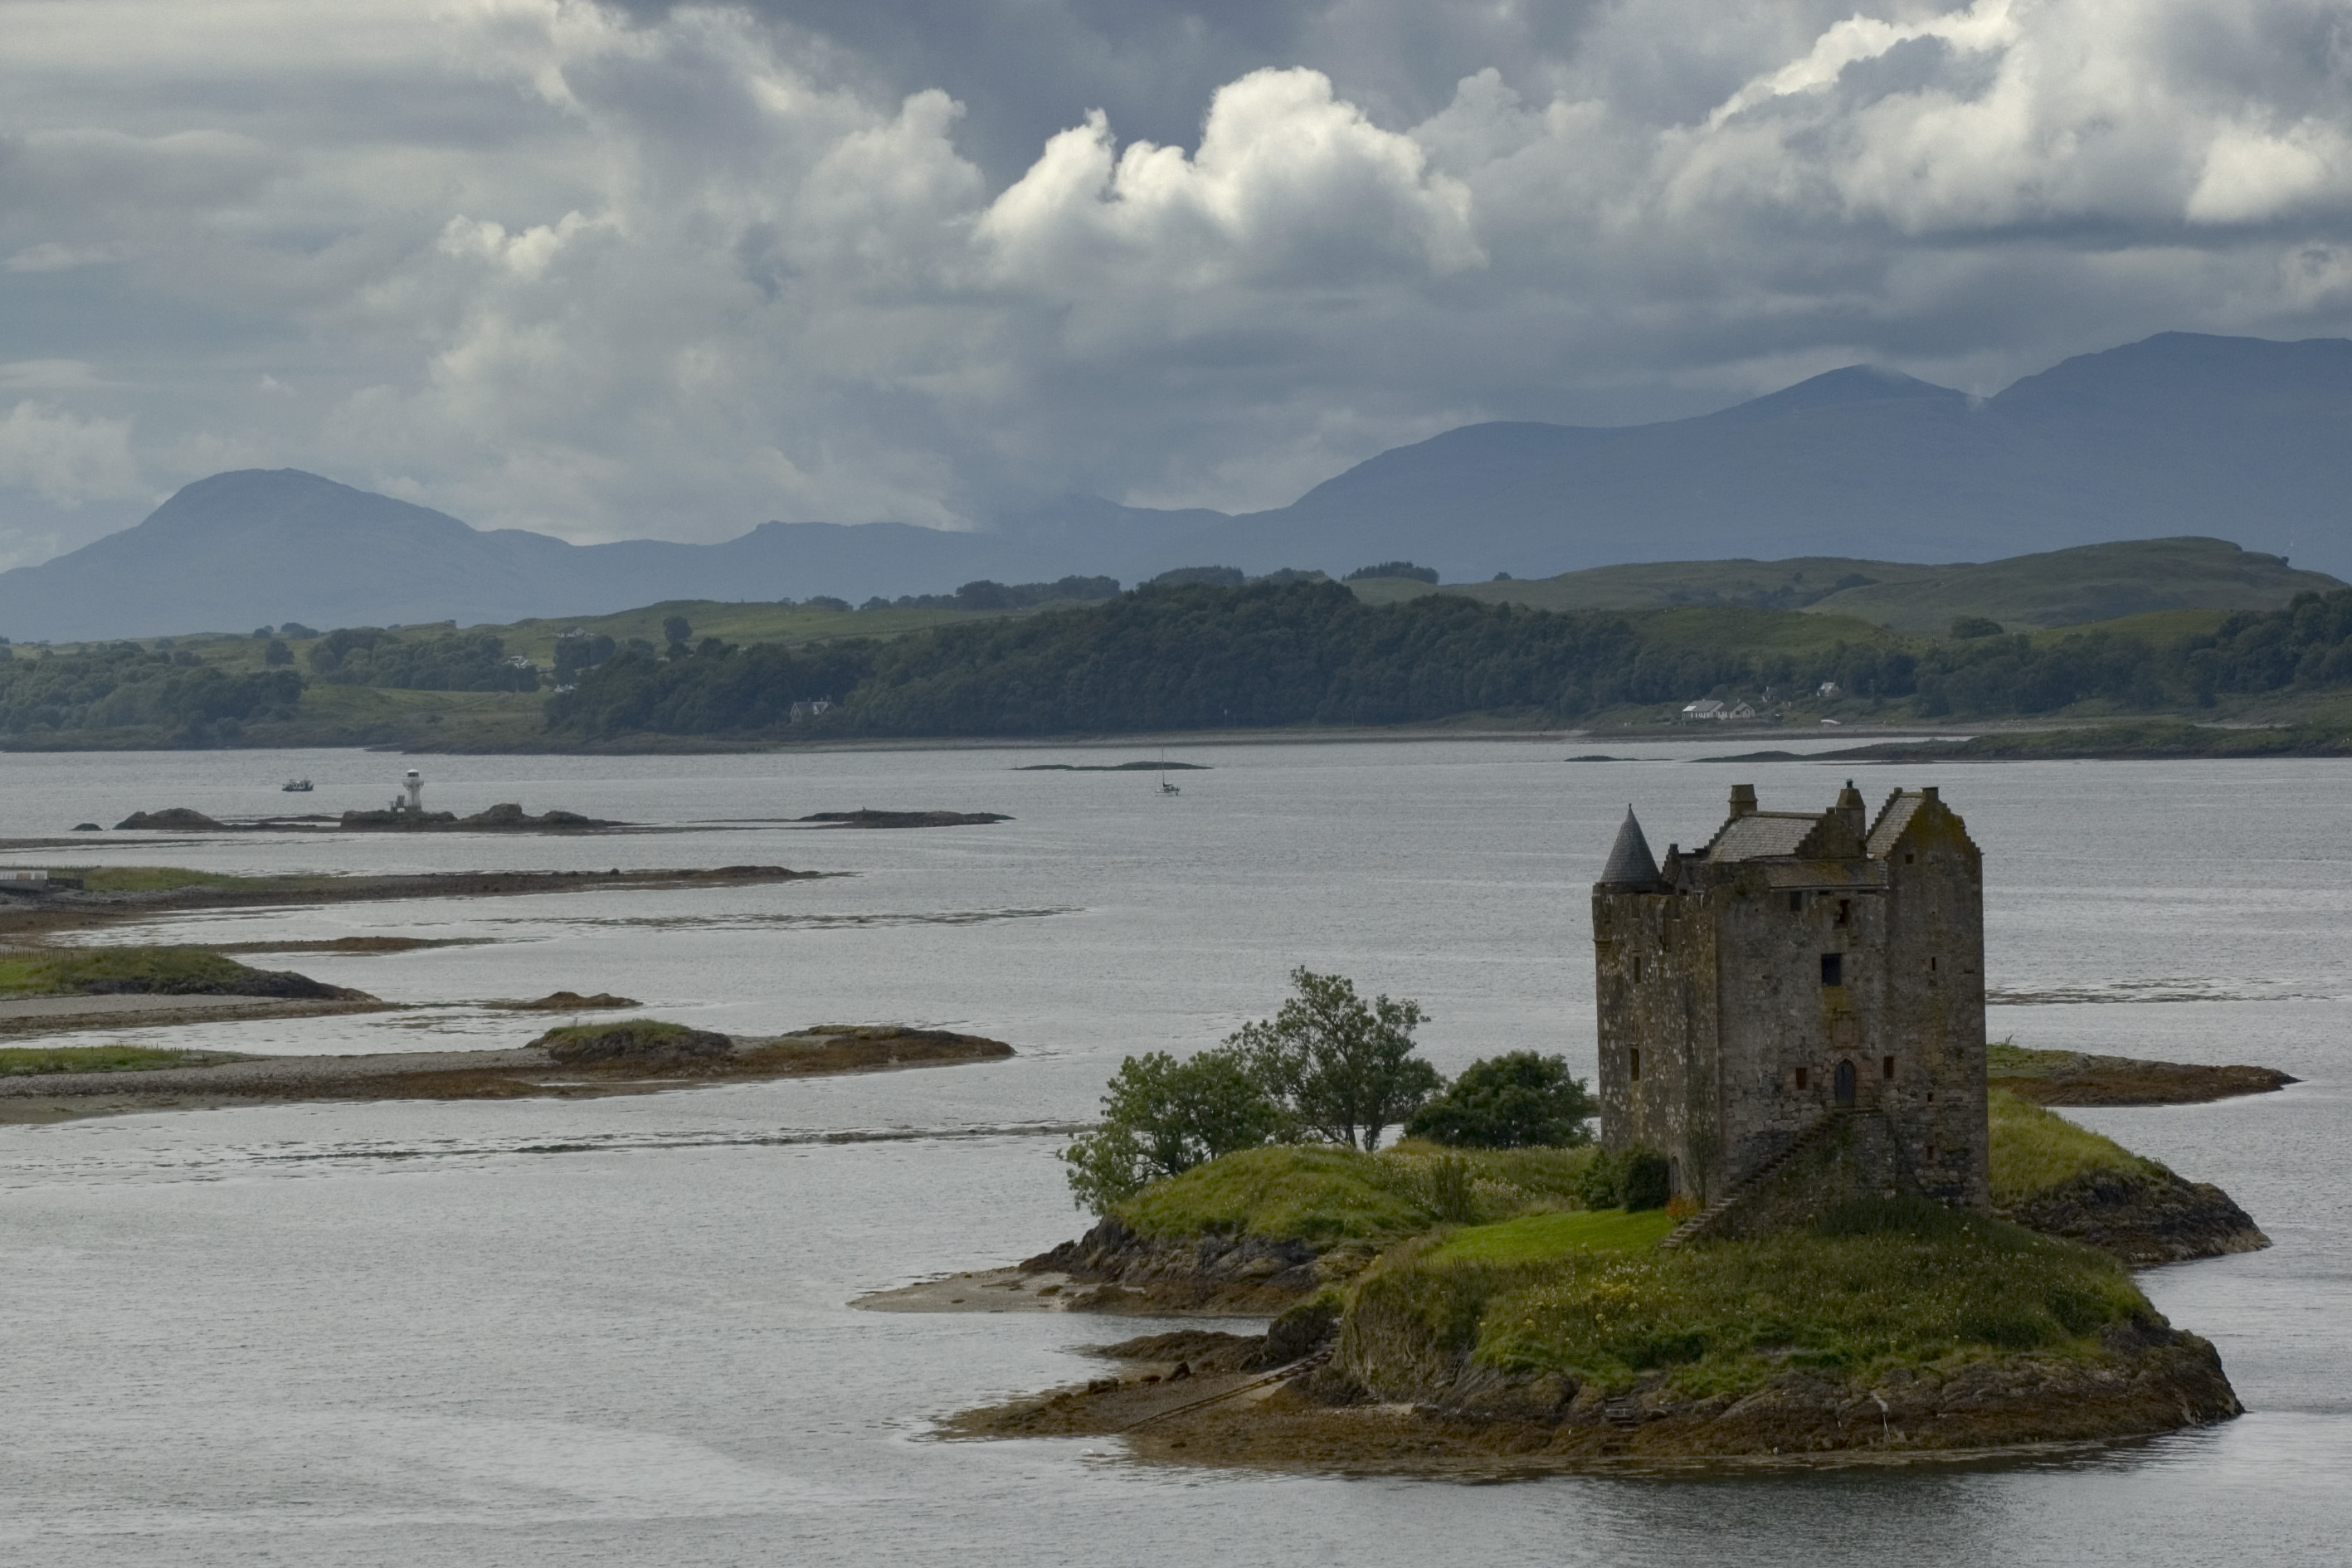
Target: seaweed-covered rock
(171, 818)
(639, 1043)
(2145, 1218)
(1240, 1275)
(277, 984)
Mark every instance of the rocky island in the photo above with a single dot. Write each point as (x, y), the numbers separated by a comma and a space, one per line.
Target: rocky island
(1811, 1233)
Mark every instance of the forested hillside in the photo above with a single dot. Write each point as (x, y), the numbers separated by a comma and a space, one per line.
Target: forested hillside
(121, 685)
(1198, 656)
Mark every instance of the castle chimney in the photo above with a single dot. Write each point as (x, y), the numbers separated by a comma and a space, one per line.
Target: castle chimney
(1934, 794)
(1849, 806)
(1743, 800)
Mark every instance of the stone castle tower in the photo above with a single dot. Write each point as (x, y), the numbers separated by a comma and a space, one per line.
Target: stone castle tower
(1800, 965)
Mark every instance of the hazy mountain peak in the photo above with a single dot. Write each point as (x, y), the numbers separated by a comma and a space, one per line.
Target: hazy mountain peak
(1852, 384)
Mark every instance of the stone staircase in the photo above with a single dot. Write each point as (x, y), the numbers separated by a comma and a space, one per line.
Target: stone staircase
(1700, 1224)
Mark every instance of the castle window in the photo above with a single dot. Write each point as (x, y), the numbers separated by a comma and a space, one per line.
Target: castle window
(1637, 969)
(1908, 858)
(1800, 1078)
(1931, 965)
(1796, 903)
(1886, 1067)
(1833, 968)
(1633, 1063)
(1846, 911)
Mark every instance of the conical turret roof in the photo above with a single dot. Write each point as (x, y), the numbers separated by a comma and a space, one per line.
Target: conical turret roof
(1631, 864)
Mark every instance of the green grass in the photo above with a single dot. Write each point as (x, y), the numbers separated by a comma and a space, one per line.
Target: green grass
(64, 972)
(1663, 584)
(2035, 1150)
(18, 1061)
(1876, 1286)
(2157, 589)
(2089, 583)
(1536, 1236)
(1322, 1195)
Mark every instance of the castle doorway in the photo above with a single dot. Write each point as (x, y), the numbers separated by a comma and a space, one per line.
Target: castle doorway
(1845, 1084)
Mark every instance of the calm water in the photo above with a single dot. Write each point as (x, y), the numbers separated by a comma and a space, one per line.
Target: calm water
(614, 1330)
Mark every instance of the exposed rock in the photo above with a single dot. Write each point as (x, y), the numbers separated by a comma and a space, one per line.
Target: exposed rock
(173, 817)
(2144, 1380)
(2156, 1217)
(571, 1001)
(906, 818)
(410, 821)
(505, 817)
(508, 815)
(642, 1044)
(88, 827)
(1239, 1276)
(2075, 1078)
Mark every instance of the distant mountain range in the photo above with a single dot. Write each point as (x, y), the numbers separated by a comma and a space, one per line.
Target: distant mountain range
(2178, 434)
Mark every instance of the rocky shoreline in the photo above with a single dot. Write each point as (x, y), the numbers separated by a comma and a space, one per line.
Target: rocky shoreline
(526, 1072)
(2146, 1219)
(1202, 1400)
(2075, 1078)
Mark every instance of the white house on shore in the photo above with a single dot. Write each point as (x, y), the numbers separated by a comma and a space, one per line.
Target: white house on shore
(1708, 707)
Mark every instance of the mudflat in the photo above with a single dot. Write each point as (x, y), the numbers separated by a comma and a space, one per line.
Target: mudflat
(64, 909)
(522, 1072)
(51, 1014)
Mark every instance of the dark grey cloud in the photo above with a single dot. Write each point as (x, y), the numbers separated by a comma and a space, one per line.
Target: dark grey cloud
(679, 268)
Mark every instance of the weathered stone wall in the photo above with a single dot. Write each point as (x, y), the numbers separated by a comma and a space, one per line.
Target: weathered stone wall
(1785, 1031)
(1857, 1156)
(1935, 1004)
(1657, 995)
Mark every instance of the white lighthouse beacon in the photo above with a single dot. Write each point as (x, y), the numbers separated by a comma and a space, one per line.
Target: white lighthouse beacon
(414, 784)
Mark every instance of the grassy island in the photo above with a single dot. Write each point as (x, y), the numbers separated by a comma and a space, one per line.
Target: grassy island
(1464, 1309)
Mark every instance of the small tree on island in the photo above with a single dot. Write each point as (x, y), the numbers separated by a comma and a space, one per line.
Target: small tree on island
(1518, 1101)
(1342, 1068)
(1162, 1117)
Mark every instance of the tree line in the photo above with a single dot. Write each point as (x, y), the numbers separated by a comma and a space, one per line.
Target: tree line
(122, 685)
(450, 661)
(1193, 656)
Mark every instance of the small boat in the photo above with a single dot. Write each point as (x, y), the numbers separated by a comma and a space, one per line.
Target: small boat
(295, 787)
(1165, 788)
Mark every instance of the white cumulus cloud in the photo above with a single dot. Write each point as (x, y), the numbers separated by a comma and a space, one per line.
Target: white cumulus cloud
(673, 270)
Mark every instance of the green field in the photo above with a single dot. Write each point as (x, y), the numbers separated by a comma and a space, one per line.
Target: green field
(2151, 588)
(65, 972)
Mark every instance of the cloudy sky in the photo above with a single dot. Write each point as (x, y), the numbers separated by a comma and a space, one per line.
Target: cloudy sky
(645, 269)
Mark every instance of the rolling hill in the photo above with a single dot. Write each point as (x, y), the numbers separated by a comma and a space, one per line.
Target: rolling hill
(2177, 435)
(2023, 593)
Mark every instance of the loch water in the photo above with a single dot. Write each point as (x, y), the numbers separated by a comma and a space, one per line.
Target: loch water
(616, 1330)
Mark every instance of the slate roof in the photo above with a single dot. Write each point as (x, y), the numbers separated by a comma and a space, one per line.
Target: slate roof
(1900, 809)
(1631, 865)
(1762, 836)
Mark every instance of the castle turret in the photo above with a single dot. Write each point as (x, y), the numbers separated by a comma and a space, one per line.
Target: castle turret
(1630, 867)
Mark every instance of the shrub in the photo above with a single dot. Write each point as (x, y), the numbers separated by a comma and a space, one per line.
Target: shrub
(1162, 1117)
(1518, 1101)
(1635, 1179)
(1394, 569)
